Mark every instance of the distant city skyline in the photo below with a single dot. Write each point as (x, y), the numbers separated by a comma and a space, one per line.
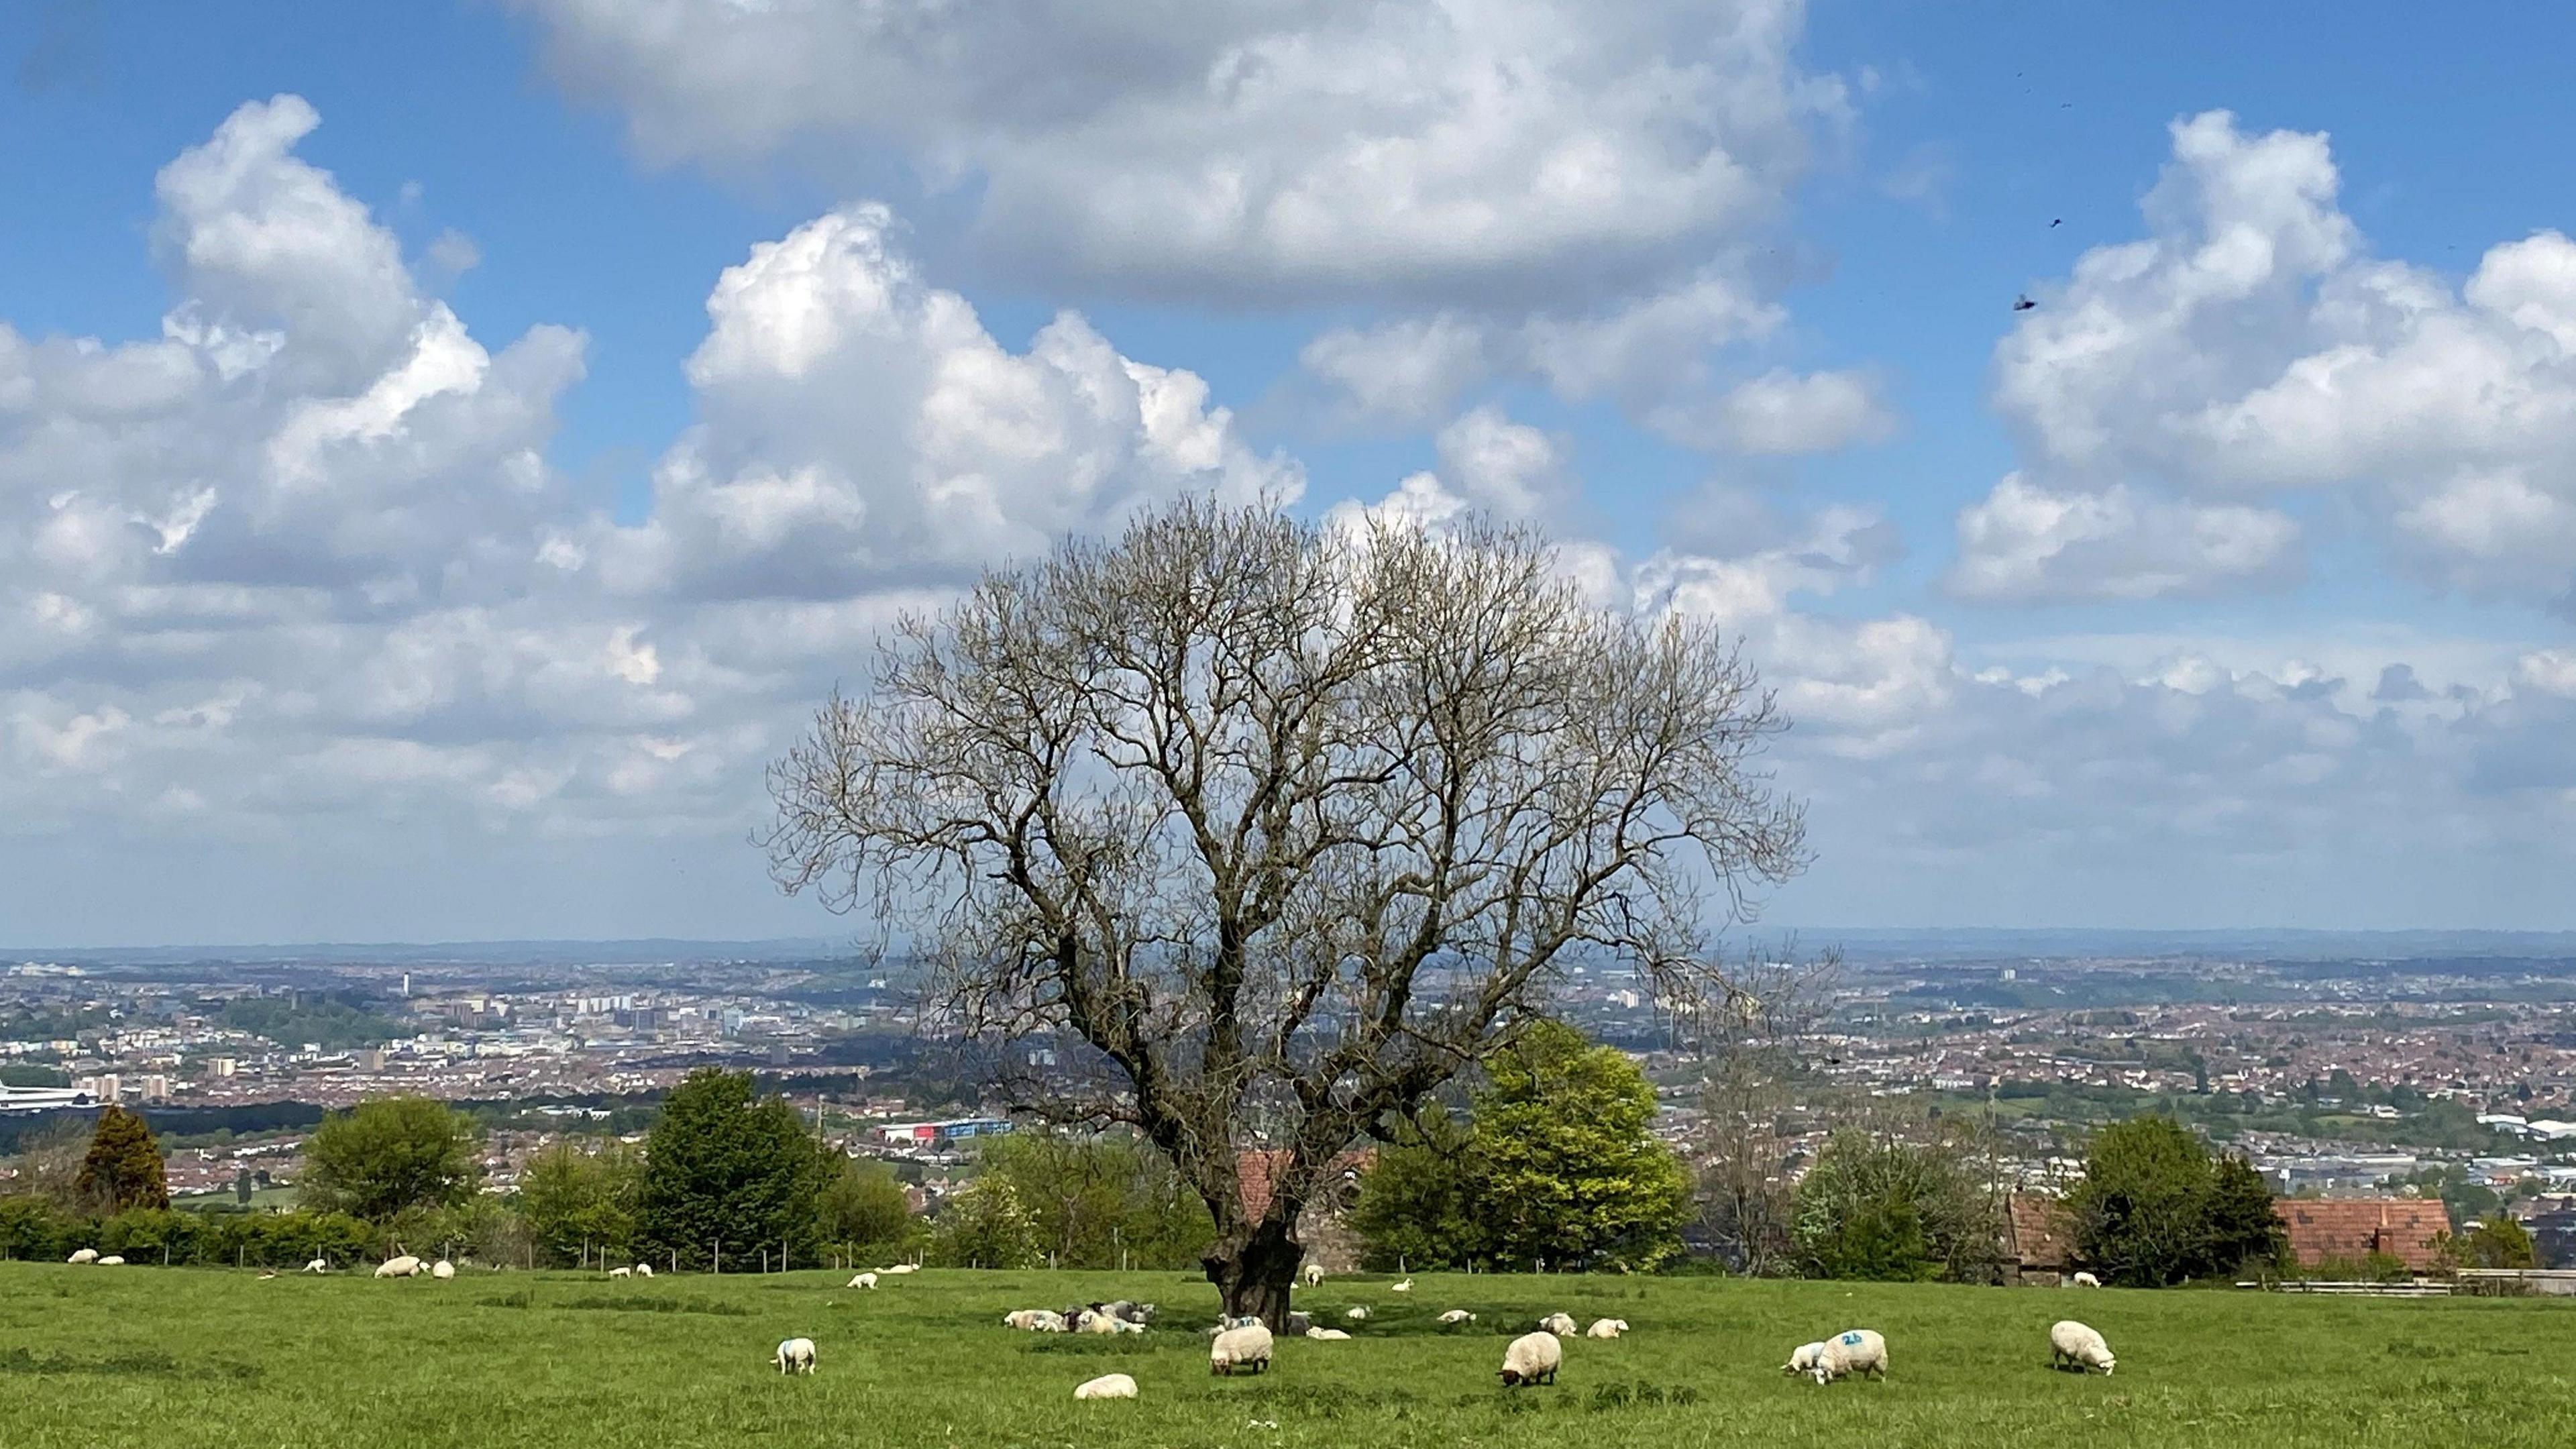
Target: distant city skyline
(446, 451)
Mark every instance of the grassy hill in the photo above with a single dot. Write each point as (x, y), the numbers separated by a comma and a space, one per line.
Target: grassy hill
(92, 1356)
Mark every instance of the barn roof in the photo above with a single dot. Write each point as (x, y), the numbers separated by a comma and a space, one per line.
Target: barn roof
(2401, 1227)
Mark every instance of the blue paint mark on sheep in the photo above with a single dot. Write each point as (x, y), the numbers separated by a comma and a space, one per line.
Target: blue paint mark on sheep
(1850, 1339)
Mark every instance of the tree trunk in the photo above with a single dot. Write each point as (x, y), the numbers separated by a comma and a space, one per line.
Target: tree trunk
(1253, 1266)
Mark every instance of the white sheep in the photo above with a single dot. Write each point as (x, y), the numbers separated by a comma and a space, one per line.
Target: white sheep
(1107, 1386)
(2086, 1280)
(1804, 1358)
(864, 1280)
(900, 1269)
(643, 1270)
(83, 1255)
(111, 1261)
(1404, 1287)
(1328, 1335)
(1357, 1314)
(2074, 1344)
(1558, 1324)
(1853, 1351)
(1457, 1315)
(621, 1272)
(1532, 1359)
(1606, 1328)
(318, 1265)
(1246, 1348)
(442, 1270)
(401, 1265)
(795, 1354)
(1314, 1274)
(1092, 1322)
(1022, 1318)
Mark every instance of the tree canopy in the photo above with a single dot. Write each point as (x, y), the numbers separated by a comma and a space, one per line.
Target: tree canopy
(580, 1204)
(1558, 1165)
(2156, 1207)
(729, 1172)
(388, 1156)
(1288, 823)
(1877, 1204)
(123, 1167)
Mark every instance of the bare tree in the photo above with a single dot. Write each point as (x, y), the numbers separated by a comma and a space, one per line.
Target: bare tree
(1289, 824)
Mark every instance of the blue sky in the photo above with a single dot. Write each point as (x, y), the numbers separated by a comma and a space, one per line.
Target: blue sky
(426, 503)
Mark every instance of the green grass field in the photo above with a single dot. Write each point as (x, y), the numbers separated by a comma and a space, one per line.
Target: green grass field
(93, 1357)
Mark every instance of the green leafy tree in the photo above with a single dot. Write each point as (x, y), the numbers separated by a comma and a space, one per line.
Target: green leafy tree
(1569, 1169)
(1417, 1201)
(1101, 1202)
(865, 1209)
(728, 1171)
(123, 1167)
(583, 1203)
(1876, 1205)
(2496, 1242)
(2156, 1208)
(985, 1225)
(387, 1156)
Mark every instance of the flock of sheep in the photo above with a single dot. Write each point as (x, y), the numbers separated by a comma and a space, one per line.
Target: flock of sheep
(1243, 1345)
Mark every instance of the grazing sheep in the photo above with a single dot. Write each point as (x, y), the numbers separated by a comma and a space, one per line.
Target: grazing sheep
(796, 1354)
(1314, 1274)
(401, 1265)
(1360, 1312)
(1804, 1358)
(1404, 1287)
(1532, 1359)
(2072, 1344)
(318, 1265)
(111, 1261)
(864, 1280)
(1246, 1348)
(1558, 1324)
(1457, 1315)
(2086, 1280)
(1606, 1328)
(83, 1255)
(1854, 1351)
(442, 1270)
(1107, 1386)
(621, 1272)
(643, 1270)
(1328, 1335)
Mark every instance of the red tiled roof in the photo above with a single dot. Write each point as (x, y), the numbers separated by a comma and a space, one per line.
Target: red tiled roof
(1254, 1171)
(2038, 1238)
(2401, 1227)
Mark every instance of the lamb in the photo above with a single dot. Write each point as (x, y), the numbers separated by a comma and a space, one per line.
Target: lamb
(1804, 1358)
(442, 1270)
(1404, 1287)
(401, 1265)
(1246, 1348)
(1606, 1328)
(1854, 1351)
(1314, 1274)
(2072, 1344)
(1558, 1324)
(621, 1272)
(1532, 1359)
(1107, 1386)
(83, 1255)
(643, 1270)
(864, 1280)
(1457, 1315)
(318, 1265)
(1328, 1335)
(795, 1354)
(111, 1261)
(1358, 1313)
(2086, 1280)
